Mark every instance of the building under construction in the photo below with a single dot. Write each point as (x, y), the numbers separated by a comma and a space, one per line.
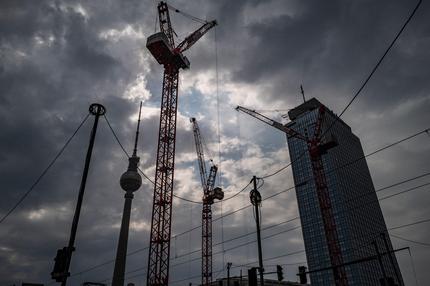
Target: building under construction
(349, 222)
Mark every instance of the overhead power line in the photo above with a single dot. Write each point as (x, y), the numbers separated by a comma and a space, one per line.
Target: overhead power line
(410, 224)
(286, 190)
(22, 198)
(240, 236)
(404, 191)
(122, 147)
(295, 218)
(246, 234)
(374, 68)
(382, 58)
(360, 158)
(140, 170)
(410, 240)
(298, 252)
(365, 81)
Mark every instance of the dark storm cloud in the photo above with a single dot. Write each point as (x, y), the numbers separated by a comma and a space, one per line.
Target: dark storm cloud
(45, 94)
(334, 46)
(55, 61)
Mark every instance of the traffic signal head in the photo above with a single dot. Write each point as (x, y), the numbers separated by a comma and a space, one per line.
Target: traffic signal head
(279, 272)
(59, 272)
(302, 275)
(252, 276)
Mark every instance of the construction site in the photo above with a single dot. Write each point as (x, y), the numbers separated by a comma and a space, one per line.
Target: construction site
(224, 174)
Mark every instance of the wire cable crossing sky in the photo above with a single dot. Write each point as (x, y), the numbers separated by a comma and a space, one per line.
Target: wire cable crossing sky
(367, 62)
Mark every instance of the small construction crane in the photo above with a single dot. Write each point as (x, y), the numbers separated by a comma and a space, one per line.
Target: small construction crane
(316, 148)
(162, 47)
(209, 195)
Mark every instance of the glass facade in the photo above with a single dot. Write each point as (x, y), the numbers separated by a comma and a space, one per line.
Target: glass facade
(355, 206)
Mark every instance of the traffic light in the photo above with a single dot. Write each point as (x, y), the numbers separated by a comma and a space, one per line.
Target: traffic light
(279, 272)
(302, 275)
(252, 276)
(59, 272)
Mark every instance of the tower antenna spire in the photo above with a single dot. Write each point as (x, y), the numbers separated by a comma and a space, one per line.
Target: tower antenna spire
(137, 132)
(303, 93)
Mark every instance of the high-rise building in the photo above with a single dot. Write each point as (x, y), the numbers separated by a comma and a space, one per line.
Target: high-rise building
(355, 207)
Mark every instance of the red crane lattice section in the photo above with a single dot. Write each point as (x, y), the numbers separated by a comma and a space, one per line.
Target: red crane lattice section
(162, 47)
(209, 195)
(207, 228)
(316, 148)
(159, 251)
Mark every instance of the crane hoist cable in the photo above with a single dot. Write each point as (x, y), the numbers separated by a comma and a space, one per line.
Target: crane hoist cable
(189, 16)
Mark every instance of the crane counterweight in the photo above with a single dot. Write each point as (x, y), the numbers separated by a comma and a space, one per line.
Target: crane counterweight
(160, 48)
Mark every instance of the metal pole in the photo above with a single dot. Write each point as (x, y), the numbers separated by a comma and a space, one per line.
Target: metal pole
(228, 273)
(390, 255)
(97, 110)
(384, 274)
(256, 200)
(241, 277)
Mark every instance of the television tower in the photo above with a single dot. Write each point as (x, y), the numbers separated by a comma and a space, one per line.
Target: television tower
(130, 182)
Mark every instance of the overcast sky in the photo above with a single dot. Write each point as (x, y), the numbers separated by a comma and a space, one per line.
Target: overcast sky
(58, 57)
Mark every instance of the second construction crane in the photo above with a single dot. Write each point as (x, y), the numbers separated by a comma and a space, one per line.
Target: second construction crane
(162, 47)
(317, 146)
(209, 195)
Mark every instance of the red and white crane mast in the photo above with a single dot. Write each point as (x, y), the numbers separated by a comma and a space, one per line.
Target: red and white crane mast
(162, 47)
(209, 195)
(316, 148)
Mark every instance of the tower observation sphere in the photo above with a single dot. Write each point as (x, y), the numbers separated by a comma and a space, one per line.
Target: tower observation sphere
(131, 180)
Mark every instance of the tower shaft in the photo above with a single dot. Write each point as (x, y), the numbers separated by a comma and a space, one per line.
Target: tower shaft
(121, 254)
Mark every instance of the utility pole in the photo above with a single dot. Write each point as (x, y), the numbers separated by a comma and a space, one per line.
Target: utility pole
(390, 255)
(64, 256)
(256, 201)
(228, 273)
(130, 182)
(384, 274)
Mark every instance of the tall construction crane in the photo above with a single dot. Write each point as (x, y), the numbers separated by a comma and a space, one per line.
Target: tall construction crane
(162, 47)
(209, 195)
(316, 148)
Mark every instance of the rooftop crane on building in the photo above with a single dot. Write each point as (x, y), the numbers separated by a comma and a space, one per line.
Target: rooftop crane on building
(209, 195)
(317, 146)
(162, 47)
